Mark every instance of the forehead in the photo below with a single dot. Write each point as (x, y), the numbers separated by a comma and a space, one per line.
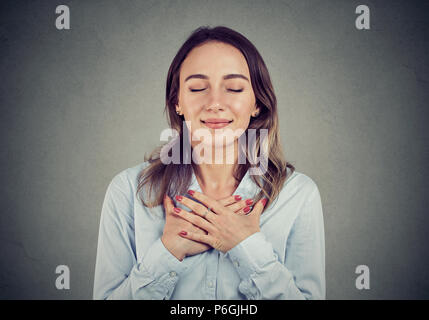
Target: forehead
(214, 58)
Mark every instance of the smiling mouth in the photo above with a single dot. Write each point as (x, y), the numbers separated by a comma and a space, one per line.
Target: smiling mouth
(216, 125)
(223, 122)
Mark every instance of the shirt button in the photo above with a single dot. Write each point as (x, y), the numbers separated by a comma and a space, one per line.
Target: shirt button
(236, 263)
(172, 274)
(210, 284)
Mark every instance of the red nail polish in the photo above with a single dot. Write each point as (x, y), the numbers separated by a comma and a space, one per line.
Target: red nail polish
(179, 198)
(177, 210)
(246, 210)
(183, 233)
(237, 198)
(191, 192)
(264, 201)
(249, 202)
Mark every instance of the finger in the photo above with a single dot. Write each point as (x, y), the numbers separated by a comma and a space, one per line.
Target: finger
(203, 238)
(239, 206)
(214, 205)
(258, 208)
(229, 200)
(244, 211)
(168, 204)
(195, 220)
(197, 208)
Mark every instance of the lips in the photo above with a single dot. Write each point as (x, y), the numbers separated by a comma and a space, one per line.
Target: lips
(216, 123)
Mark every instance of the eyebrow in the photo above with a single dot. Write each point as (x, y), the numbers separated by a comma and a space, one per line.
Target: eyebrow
(225, 77)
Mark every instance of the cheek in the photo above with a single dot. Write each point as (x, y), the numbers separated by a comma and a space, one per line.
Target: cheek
(242, 109)
(191, 105)
(193, 100)
(188, 98)
(243, 102)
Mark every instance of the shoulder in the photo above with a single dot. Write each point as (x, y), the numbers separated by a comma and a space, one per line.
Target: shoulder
(128, 177)
(121, 192)
(300, 200)
(298, 187)
(123, 185)
(300, 182)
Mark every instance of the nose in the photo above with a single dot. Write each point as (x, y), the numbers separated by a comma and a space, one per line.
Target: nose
(215, 107)
(215, 101)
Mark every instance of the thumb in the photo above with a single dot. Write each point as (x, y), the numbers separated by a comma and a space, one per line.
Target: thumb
(168, 204)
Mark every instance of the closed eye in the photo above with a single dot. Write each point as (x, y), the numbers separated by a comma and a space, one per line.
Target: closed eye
(198, 90)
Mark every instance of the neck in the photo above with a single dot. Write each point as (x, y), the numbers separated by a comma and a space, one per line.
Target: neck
(218, 175)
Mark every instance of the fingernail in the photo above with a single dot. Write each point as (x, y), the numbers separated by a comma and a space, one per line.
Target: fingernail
(246, 210)
(179, 198)
(249, 202)
(183, 233)
(191, 192)
(177, 210)
(237, 198)
(264, 201)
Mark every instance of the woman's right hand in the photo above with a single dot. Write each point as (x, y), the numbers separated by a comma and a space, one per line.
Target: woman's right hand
(181, 247)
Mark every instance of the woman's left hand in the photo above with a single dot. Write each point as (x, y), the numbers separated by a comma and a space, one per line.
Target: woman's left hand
(225, 229)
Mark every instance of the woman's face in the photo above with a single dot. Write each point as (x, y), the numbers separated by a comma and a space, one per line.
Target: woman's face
(215, 86)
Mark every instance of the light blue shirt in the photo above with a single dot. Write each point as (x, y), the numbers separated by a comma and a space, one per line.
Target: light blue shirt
(285, 260)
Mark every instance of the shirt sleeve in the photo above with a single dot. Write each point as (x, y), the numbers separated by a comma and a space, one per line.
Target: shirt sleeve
(118, 274)
(302, 276)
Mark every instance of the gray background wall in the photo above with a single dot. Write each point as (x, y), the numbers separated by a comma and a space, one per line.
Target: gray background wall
(80, 105)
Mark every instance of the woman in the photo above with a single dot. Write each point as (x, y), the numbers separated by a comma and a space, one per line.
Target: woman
(229, 220)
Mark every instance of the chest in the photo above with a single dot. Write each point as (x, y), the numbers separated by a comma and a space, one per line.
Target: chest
(211, 275)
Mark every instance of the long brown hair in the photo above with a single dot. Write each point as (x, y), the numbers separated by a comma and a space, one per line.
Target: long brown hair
(172, 179)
